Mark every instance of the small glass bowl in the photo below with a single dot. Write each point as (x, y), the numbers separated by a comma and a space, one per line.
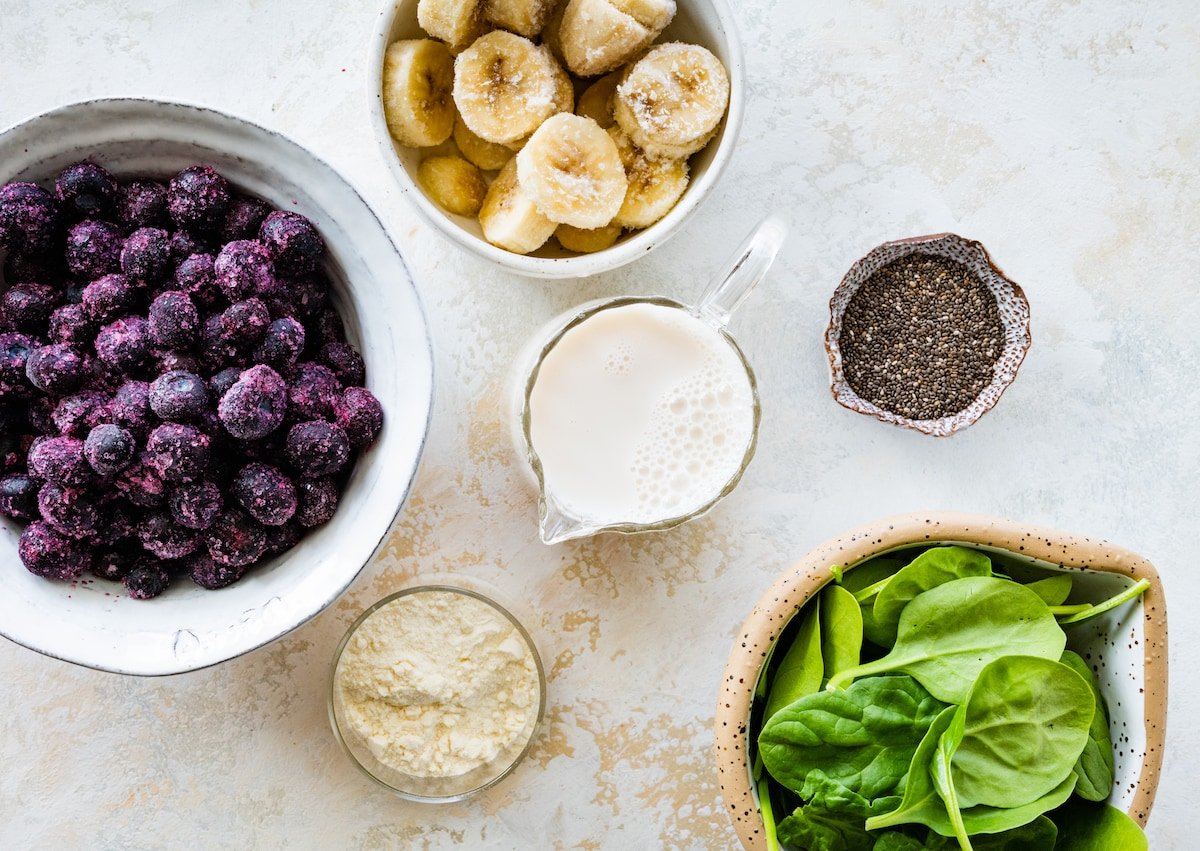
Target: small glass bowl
(436, 790)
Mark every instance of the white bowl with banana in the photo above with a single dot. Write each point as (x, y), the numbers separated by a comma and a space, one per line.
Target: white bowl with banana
(558, 138)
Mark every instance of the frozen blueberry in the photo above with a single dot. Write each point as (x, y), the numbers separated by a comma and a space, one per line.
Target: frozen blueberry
(109, 297)
(244, 268)
(324, 327)
(293, 241)
(113, 564)
(281, 345)
(165, 538)
(109, 449)
(86, 190)
(77, 414)
(146, 579)
(197, 198)
(195, 276)
(317, 448)
(208, 574)
(56, 369)
(196, 506)
(184, 245)
(93, 249)
(70, 511)
(71, 324)
(178, 453)
(220, 383)
(60, 459)
(235, 540)
(255, 405)
(146, 256)
(143, 204)
(124, 344)
(47, 553)
(309, 294)
(244, 323)
(118, 522)
(316, 501)
(216, 352)
(282, 538)
(313, 392)
(174, 320)
(346, 363)
(15, 350)
(18, 496)
(360, 416)
(141, 484)
(29, 218)
(266, 493)
(130, 407)
(243, 218)
(178, 395)
(28, 306)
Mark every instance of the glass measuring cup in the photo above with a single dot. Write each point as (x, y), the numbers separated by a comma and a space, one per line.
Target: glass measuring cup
(728, 410)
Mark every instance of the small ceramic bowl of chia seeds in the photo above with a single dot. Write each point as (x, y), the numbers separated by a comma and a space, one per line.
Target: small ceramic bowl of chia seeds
(926, 333)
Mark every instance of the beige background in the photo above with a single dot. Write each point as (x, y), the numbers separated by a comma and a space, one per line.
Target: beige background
(1064, 135)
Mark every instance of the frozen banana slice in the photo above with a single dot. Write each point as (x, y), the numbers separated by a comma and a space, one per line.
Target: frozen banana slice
(487, 155)
(596, 102)
(587, 241)
(655, 185)
(418, 78)
(598, 36)
(505, 86)
(524, 17)
(509, 217)
(573, 172)
(456, 22)
(672, 99)
(457, 186)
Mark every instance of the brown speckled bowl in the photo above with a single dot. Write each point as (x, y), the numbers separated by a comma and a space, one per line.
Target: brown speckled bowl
(1014, 314)
(1128, 646)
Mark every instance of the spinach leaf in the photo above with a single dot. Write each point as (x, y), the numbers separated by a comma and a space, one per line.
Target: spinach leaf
(1024, 726)
(864, 576)
(950, 633)
(1095, 766)
(1131, 593)
(941, 772)
(863, 738)
(841, 630)
(802, 668)
(1054, 590)
(815, 829)
(1039, 835)
(822, 790)
(928, 570)
(894, 840)
(923, 805)
(1084, 826)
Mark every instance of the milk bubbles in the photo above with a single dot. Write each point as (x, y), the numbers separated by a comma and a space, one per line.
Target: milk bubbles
(639, 414)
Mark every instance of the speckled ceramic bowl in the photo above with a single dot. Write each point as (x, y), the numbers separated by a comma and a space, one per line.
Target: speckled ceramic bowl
(1127, 646)
(706, 22)
(93, 623)
(1014, 314)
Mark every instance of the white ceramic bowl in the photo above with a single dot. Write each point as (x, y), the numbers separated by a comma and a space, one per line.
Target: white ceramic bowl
(706, 22)
(188, 627)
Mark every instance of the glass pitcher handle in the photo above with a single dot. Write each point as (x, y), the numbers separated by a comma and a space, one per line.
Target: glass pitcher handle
(749, 266)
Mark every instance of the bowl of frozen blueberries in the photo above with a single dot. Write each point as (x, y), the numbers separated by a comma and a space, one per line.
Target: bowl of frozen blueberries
(215, 385)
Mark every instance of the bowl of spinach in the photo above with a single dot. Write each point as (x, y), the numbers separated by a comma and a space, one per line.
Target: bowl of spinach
(948, 682)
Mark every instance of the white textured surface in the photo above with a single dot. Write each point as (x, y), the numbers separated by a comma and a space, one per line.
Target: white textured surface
(1066, 137)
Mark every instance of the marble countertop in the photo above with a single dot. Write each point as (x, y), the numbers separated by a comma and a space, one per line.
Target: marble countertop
(1064, 136)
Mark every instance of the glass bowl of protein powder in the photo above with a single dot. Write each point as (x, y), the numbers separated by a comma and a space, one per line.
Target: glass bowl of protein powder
(436, 692)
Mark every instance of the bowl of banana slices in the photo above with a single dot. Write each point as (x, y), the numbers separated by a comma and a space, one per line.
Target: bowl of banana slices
(557, 138)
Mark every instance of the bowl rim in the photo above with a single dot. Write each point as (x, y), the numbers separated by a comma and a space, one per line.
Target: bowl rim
(581, 265)
(949, 425)
(212, 113)
(810, 573)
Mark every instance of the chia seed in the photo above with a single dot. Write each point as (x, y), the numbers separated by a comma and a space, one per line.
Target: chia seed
(921, 337)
